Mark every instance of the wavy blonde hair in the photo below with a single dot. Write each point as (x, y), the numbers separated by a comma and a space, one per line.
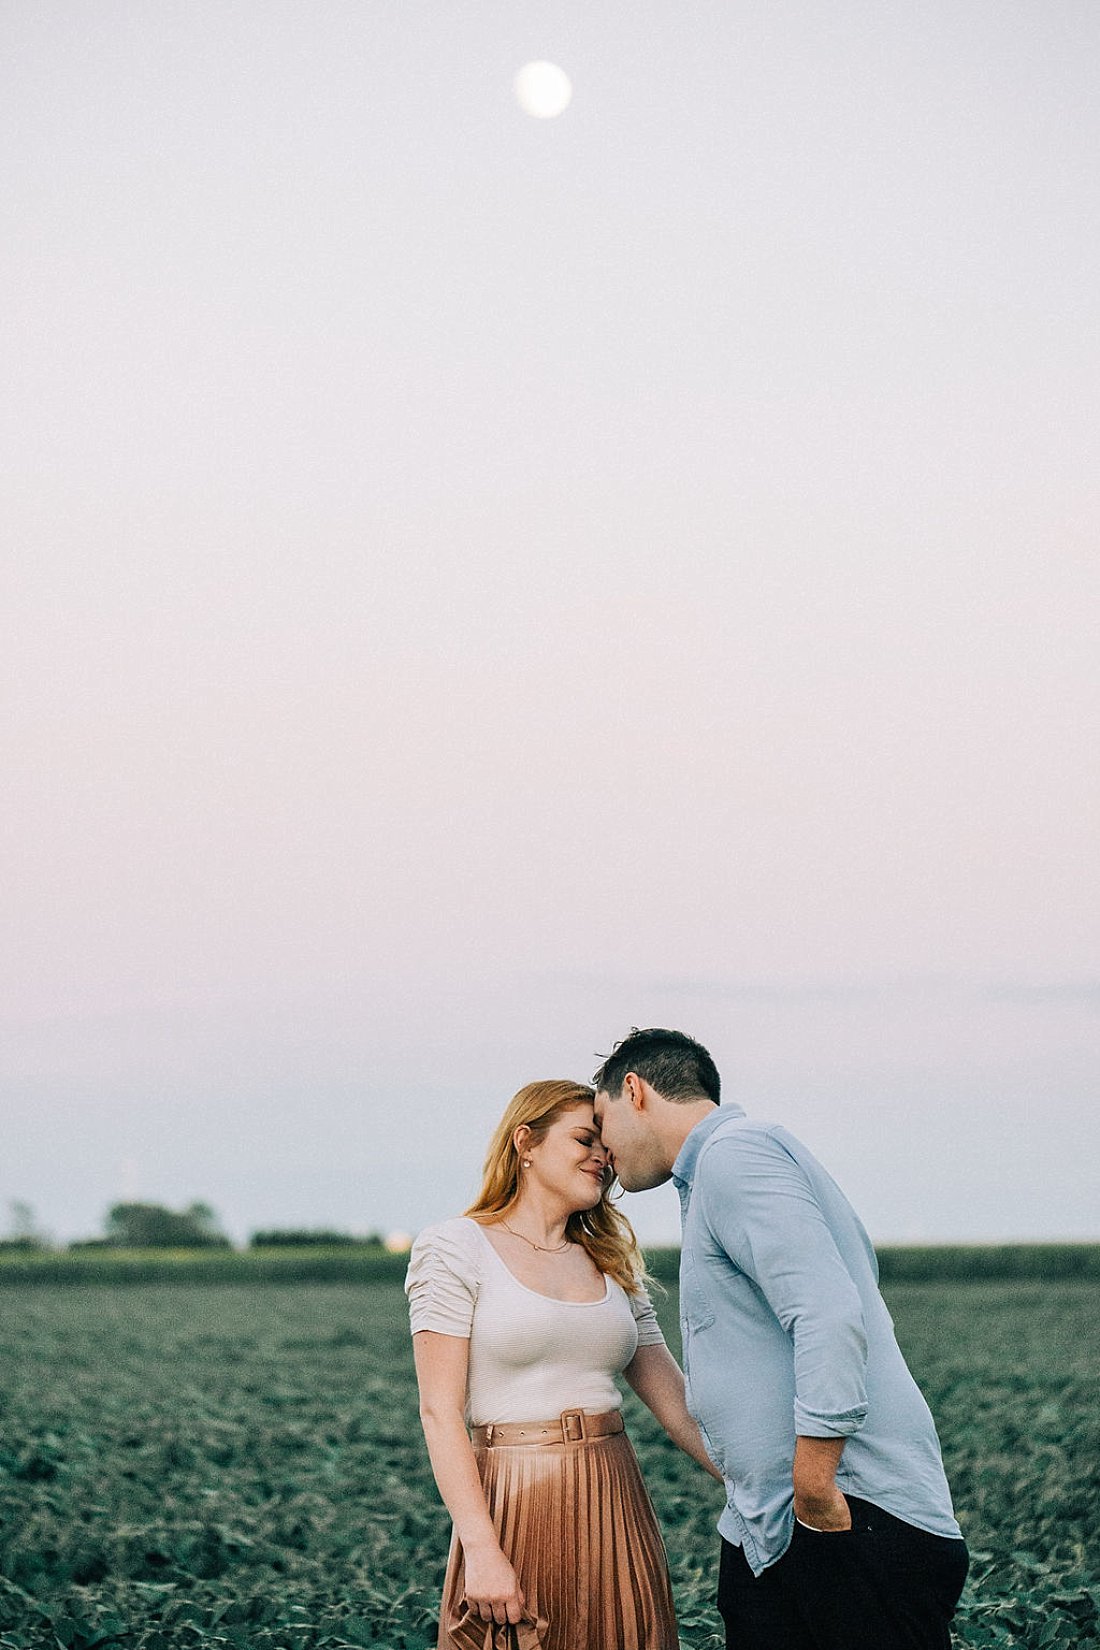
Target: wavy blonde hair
(606, 1234)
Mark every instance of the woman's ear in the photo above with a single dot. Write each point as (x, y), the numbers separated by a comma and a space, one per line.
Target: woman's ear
(520, 1137)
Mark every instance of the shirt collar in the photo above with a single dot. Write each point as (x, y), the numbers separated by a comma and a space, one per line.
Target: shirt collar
(683, 1170)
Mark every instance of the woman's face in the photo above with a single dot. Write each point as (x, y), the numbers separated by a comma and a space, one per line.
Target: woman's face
(569, 1161)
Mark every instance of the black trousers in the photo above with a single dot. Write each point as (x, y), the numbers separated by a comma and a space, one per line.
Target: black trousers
(882, 1585)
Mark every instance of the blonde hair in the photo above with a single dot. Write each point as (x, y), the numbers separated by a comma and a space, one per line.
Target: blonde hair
(606, 1234)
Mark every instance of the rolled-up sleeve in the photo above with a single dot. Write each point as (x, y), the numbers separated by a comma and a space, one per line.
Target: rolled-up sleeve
(761, 1208)
(442, 1280)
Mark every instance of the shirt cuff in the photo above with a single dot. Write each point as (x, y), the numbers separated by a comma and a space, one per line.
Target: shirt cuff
(827, 1423)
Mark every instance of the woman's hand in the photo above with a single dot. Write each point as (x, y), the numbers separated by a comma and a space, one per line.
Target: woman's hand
(492, 1587)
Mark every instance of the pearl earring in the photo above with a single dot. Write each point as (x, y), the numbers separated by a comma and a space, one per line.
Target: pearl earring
(527, 1163)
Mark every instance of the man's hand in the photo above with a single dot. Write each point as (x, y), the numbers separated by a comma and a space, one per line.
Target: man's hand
(817, 1501)
(832, 1513)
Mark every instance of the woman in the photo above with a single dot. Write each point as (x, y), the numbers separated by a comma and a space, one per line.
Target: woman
(523, 1311)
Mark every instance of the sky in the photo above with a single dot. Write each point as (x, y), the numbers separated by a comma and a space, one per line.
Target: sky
(474, 584)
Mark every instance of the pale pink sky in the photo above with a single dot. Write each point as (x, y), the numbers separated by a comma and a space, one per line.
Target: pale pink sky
(473, 584)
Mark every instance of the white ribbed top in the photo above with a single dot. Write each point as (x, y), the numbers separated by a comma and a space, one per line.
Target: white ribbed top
(530, 1356)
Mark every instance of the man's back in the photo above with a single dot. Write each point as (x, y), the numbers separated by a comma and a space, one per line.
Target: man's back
(838, 1532)
(785, 1333)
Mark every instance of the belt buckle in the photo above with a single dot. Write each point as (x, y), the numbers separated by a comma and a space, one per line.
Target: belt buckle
(572, 1426)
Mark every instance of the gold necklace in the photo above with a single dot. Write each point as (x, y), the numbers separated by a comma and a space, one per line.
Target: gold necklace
(541, 1247)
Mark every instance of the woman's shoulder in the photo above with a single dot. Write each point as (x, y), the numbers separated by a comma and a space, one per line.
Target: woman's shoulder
(457, 1239)
(443, 1281)
(637, 1298)
(641, 1306)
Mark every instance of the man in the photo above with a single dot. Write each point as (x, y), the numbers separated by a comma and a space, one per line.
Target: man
(838, 1532)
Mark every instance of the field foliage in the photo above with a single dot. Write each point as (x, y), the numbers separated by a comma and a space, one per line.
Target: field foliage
(234, 1466)
(326, 1258)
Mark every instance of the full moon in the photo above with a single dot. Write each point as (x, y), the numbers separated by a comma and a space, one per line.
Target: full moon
(543, 90)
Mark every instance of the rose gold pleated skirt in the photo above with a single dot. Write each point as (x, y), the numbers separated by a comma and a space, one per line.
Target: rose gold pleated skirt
(577, 1525)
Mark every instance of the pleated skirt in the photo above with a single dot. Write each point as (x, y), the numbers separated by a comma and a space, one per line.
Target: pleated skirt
(576, 1523)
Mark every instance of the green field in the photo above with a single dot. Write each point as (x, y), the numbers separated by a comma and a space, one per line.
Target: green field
(362, 1263)
(242, 1466)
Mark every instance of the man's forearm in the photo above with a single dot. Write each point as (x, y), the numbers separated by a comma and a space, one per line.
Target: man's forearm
(817, 1500)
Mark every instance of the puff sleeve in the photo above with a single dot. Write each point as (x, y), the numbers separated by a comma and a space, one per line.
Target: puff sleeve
(649, 1330)
(442, 1280)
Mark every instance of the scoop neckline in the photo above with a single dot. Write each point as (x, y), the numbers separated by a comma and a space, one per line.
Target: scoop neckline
(538, 1294)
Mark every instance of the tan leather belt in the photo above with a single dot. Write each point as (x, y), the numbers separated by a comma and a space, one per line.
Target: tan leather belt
(573, 1426)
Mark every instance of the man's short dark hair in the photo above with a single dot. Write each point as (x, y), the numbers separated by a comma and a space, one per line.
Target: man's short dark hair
(674, 1064)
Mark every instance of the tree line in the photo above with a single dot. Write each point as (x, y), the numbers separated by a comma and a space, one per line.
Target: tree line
(153, 1226)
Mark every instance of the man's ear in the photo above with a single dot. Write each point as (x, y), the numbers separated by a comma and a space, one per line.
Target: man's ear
(634, 1089)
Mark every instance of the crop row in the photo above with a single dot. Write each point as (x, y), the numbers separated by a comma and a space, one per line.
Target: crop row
(367, 1264)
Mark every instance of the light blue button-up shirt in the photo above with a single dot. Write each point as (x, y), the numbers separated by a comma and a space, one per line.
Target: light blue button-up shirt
(785, 1333)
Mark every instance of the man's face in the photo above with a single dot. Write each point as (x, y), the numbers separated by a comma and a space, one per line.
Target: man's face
(630, 1141)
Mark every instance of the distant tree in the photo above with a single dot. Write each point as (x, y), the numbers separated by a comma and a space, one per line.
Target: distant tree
(205, 1219)
(307, 1237)
(23, 1232)
(23, 1223)
(151, 1226)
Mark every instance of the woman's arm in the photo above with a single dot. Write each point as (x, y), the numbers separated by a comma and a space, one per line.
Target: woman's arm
(659, 1382)
(442, 1361)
